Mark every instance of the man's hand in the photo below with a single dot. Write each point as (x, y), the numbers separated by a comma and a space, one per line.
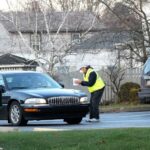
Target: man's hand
(77, 81)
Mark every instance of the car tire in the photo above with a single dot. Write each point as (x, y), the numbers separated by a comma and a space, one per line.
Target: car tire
(73, 120)
(15, 115)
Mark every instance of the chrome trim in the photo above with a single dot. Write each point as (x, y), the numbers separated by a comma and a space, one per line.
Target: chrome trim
(63, 100)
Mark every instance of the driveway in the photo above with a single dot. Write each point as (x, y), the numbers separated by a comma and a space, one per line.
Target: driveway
(108, 120)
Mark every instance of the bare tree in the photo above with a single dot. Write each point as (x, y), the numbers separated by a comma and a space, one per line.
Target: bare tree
(115, 75)
(131, 16)
(33, 5)
(56, 46)
(127, 15)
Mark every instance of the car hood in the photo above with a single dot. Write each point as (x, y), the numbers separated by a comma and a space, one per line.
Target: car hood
(45, 93)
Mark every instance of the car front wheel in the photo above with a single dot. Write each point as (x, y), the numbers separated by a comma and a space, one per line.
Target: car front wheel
(15, 115)
(73, 120)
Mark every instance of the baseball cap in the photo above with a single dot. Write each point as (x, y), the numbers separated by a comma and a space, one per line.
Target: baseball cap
(84, 66)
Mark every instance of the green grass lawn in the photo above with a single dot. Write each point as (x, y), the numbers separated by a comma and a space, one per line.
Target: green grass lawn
(109, 139)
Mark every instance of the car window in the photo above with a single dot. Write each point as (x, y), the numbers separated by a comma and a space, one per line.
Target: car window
(31, 80)
(147, 67)
(2, 80)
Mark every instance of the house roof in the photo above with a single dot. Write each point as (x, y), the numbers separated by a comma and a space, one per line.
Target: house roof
(72, 21)
(103, 40)
(9, 59)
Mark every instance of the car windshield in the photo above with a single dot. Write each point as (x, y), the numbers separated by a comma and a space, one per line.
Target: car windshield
(30, 81)
(147, 67)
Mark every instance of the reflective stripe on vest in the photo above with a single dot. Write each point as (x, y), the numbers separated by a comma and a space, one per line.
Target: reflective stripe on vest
(99, 84)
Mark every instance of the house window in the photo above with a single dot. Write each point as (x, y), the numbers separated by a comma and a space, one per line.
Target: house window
(76, 37)
(36, 41)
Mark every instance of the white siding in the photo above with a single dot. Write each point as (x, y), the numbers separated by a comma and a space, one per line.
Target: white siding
(19, 46)
(5, 40)
(98, 60)
(14, 44)
(58, 41)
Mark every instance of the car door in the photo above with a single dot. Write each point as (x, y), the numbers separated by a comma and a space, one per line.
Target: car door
(3, 100)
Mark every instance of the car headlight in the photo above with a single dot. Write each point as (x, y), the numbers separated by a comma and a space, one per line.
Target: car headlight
(35, 101)
(84, 100)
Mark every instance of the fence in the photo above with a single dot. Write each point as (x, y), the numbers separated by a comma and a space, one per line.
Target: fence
(130, 75)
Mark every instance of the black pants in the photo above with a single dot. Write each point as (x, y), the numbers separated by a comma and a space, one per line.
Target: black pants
(94, 103)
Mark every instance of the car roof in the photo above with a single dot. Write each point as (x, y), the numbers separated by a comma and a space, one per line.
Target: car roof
(17, 72)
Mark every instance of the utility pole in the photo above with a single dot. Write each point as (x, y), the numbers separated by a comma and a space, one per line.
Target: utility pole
(118, 48)
(131, 60)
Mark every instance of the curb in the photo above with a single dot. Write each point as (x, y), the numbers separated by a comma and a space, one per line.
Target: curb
(9, 129)
(122, 109)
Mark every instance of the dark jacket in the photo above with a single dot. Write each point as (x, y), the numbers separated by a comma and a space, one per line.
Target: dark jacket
(92, 80)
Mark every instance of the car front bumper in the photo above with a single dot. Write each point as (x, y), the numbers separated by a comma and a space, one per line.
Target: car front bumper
(44, 112)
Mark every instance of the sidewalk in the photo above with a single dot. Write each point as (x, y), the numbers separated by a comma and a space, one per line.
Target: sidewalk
(124, 108)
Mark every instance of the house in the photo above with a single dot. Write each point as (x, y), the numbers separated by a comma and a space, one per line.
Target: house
(51, 33)
(13, 62)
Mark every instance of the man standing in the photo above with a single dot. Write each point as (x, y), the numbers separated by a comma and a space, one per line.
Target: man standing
(96, 87)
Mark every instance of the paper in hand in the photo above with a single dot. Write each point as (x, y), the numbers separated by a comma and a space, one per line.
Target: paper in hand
(75, 84)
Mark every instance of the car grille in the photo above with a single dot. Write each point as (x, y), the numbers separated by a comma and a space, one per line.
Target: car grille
(63, 100)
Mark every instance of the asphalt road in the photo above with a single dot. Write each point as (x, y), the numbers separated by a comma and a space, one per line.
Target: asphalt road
(108, 120)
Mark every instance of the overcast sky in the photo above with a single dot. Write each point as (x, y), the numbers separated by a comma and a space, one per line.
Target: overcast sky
(15, 4)
(12, 4)
(3, 4)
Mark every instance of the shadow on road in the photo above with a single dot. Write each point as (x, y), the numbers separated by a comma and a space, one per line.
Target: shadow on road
(47, 124)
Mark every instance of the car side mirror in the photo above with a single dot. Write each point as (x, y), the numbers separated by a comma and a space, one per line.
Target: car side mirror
(2, 89)
(62, 85)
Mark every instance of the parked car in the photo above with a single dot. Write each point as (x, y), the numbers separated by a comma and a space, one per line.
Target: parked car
(144, 93)
(36, 96)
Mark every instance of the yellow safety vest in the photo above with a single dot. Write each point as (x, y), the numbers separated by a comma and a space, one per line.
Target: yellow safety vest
(99, 84)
